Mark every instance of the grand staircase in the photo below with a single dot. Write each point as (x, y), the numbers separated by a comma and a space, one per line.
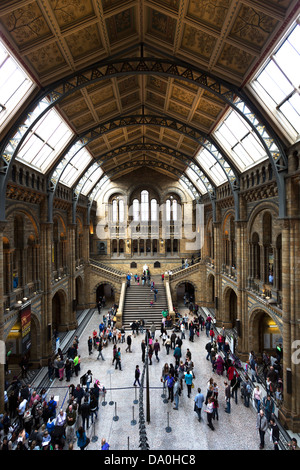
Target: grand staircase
(137, 304)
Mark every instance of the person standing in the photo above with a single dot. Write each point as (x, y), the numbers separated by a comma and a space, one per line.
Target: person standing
(143, 348)
(261, 426)
(199, 400)
(274, 433)
(137, 374)
(82, 439)
(176, 389)
(188, 378)
(170, 385)
(90, 345)
(227, 396)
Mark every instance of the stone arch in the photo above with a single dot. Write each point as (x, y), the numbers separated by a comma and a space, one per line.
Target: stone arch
(79, 291)
(265, 330)
(109, 289)
(59, 309)
(183, 286)
(211, 293)
(229, 302)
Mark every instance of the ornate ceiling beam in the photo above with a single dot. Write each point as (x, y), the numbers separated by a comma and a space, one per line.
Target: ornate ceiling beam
(56, 92)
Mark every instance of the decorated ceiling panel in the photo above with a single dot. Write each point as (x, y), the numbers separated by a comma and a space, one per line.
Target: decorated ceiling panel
(226, 39)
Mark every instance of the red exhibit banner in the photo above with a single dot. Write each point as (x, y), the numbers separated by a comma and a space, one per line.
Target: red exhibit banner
(26, 327)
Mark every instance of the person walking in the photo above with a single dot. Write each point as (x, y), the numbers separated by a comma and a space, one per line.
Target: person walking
(177, 354)
(137, 374)
(156, 348)
(274, 433)
(168, 344)
(129, 341)
(199, 400)
(261, 426)
(118, 359)
(100, 348)
(209, 410)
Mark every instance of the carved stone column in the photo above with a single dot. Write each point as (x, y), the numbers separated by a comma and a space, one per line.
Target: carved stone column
(2, 339)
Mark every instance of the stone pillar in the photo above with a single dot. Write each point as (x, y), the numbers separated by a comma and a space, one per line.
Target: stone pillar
(2, 339)
(290, 410)
(70, 320)
(46, 277)
(219, 312)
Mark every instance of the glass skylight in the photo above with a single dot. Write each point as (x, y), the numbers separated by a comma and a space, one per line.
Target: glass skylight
(15, 85)
(197, 181)
(45, 141)
(89, 179)
(278, 84)
(212, 167)
(235, 135)
(75, 167)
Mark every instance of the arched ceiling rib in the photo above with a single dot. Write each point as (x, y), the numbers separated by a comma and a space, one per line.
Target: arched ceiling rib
(188, 60)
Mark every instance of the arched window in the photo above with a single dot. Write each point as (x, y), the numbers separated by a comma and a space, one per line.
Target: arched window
(136, 210)
(115, 210)
(118, 210)
(144, 206)
(154, 214)
(171, 209)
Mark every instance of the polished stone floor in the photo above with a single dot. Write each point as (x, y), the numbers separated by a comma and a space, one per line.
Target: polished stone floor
(235, 431)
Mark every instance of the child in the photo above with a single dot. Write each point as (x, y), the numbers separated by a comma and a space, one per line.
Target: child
(151, 303)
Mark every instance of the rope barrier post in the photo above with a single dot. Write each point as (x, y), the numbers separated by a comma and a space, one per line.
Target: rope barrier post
(135, 401)
(168, 428)
(133, 421)
(111, 400)
(163, 395)
(116, 418)
(94, 438)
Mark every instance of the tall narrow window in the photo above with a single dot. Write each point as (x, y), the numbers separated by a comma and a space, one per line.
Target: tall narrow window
(154, 210)
(115, 210)
(175, 210)
(144, 206)
(168, 210)
(136, 210)
(121, 211)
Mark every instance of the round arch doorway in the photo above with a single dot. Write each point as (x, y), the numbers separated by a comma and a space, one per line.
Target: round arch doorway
(58, 311)
(185, 294)
(107, 292)
(265, 334)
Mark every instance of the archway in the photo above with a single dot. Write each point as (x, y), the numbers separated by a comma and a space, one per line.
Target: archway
(105, 290)
(230, 307)
(58, 310)
(265, 334)
(211, 288)
(185, 293)
(79, 291)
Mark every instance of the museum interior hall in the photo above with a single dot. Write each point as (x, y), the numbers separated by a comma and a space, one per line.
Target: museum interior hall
(159, 138)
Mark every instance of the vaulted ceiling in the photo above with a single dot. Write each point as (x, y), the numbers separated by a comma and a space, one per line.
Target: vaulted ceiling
(228, 39)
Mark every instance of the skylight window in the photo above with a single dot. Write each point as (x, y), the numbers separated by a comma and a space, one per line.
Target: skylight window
(45, 141)
(15, 85)
(211, 167)
(240, 142)
(75, 167)
(278, 84)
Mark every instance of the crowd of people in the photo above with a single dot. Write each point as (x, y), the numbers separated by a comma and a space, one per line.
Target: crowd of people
(34, 421)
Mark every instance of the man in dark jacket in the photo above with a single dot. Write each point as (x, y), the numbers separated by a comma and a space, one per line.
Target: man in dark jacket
(85, 412)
